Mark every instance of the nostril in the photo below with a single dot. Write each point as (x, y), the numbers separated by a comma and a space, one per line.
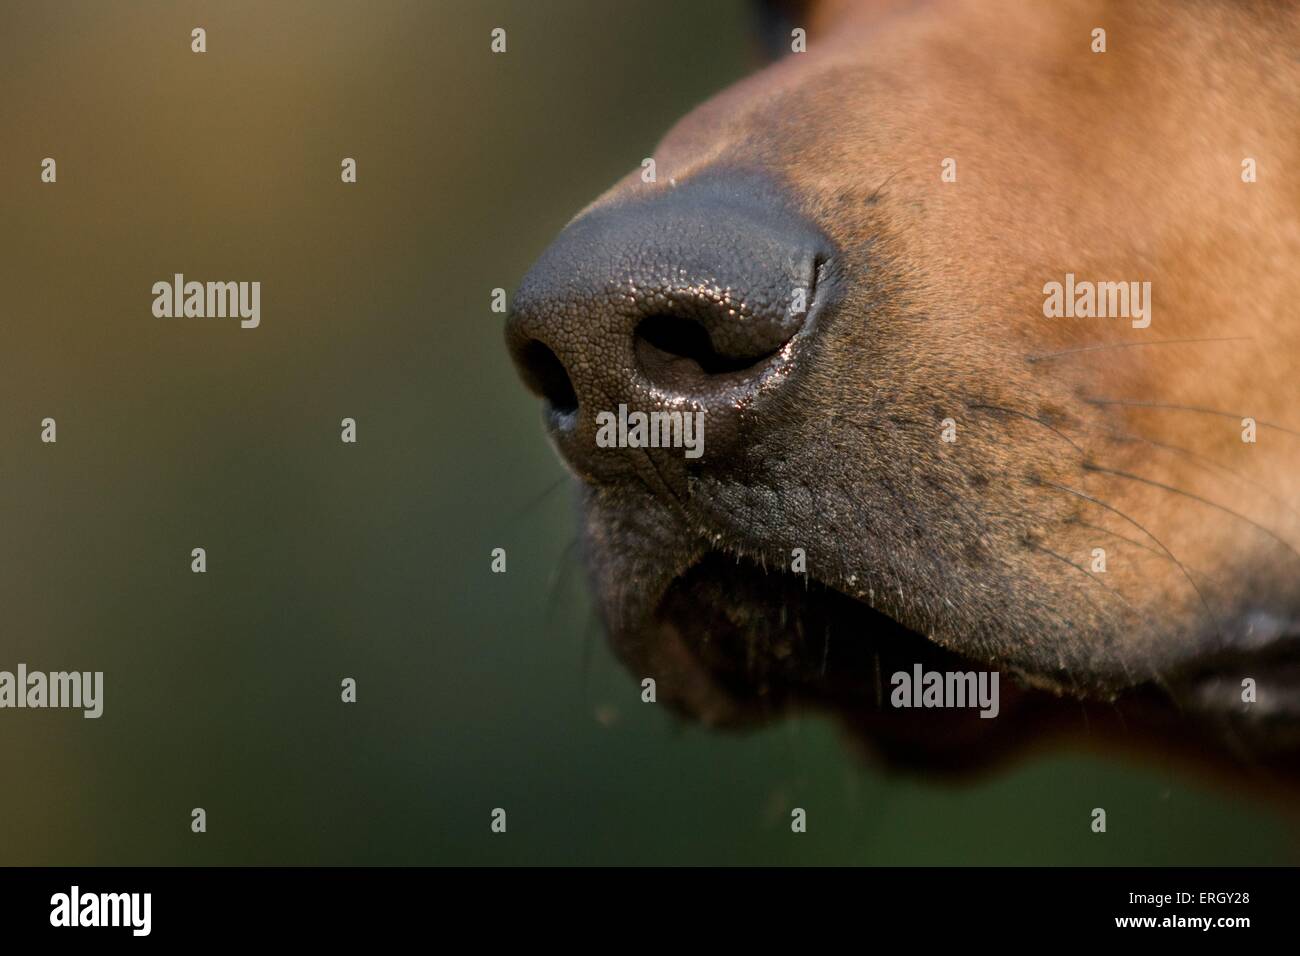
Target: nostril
(661, 339)
(545, 375)
(701, 297)
(711, 331)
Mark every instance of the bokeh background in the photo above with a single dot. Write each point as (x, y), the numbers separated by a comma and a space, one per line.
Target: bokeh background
(371, 560)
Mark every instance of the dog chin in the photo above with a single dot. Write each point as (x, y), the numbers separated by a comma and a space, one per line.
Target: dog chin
(731, 643)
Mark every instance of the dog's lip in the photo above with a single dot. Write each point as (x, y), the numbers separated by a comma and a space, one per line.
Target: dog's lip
(714, 547)
(817, 589)
(734, 642)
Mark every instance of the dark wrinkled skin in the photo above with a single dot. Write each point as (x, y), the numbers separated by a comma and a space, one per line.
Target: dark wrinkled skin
(927, 305)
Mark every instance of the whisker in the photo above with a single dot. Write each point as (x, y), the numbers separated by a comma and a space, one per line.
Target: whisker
(1088, 574)
(1104, 587)
(1109, 590)
(1208, 464)
(556, 580)
(537, 499)
(1045, 356)
(1088, 466)
(1025, 415)
(1111, 508)
(1122, 537)
(979, 527)
(875, 193)
(1169, 406)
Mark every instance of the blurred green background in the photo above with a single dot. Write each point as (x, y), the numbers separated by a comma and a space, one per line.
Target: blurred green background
(371, 560)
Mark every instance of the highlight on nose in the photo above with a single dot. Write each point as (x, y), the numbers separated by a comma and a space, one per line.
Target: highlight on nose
(689, 298)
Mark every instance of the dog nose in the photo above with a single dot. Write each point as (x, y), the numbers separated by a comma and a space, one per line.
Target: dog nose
(690, 299)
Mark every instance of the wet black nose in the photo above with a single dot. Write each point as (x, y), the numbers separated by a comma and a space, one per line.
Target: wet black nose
(691, 299)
